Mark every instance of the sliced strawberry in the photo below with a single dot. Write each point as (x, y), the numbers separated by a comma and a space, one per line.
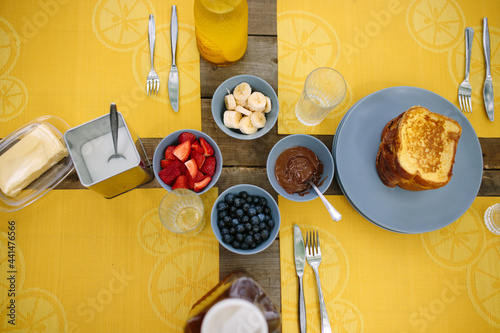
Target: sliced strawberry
(209, 151)
(182, 151)
(202, 184)
(192, 167)
(199, 177)
(199, 158)
(181, 182)
(196, 146)
(208, 168)
(186, 136)
(165, 163)
(169, 153)
(190, 182)
(171, 172)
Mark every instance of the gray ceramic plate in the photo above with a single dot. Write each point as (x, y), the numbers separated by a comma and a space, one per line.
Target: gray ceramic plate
(355, 148)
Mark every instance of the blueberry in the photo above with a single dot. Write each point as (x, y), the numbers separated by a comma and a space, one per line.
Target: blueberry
(261, 217)
(263, 201)
(239, 237)
(255, 220)
(239, 213)
(227, 239)
(238, 202)
(248, 240)
(267, 210)
(259, 209)
(251, 232)
(265, 234)
(235, 244)
(256, 200)
(232, 230)
(246, 207)
(234, 222)
(226, 219)
(253, 245)
(229, 198)
(222, 205)
(224, 231)
(245, 219)
(256, 228)
(221, 224)
(232, 209)
(257, 237)
(268, 217)
(243, 194)
(270, 224)
(262, 226)
(221, 213)
(240, 228)
(249, 199)
(244, 246)
(252, 212)
(247, 226)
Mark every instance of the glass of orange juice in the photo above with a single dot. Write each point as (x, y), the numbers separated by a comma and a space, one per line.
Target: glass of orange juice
(181, 211)
(221, 30)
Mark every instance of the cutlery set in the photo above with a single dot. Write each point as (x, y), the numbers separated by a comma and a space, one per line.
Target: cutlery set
(464, 89)
(153, 80)
(311, 253)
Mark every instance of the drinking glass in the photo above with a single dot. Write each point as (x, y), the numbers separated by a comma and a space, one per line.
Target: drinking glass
(324, 89)
(181, 211)
(492, 218)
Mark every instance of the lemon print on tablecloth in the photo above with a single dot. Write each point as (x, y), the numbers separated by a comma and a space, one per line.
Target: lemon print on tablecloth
(457, 245)
(9, 47)
(336, 268)
(19, 266)
(153, 236)
(187, 62)
(121, 25)
(37, 310)
(456, 63)
(483, 283)
(345, 317)
(287, 121)
(13, 98)
(306, 42)
(179, 279)
(435, 25)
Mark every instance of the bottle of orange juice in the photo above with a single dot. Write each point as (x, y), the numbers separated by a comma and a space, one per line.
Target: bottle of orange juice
(221, 30)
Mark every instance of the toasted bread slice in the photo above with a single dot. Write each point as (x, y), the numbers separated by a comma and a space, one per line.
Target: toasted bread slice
(417, 151)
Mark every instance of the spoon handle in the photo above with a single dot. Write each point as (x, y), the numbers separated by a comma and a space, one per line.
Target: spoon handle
(336, 216)
(113, 118)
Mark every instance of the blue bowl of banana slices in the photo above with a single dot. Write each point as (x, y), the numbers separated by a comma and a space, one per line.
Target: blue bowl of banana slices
(245, 107)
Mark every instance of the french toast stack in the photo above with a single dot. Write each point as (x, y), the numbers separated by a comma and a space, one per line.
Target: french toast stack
(417, 150)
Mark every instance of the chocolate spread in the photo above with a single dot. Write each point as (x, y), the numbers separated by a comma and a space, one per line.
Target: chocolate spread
(295, 166)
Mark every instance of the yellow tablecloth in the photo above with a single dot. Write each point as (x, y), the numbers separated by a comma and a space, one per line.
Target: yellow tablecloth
(118, 271)
(71, 59)
(380, 44)
(374, 280)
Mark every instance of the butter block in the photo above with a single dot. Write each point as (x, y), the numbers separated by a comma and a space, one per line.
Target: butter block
(29, 158)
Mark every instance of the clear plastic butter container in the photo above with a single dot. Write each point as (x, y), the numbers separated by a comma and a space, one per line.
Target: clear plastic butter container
(50, 178)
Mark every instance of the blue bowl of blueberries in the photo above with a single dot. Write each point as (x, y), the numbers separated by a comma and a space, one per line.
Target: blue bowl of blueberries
(245, 219)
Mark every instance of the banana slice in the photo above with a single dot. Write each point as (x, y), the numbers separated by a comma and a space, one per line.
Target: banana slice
(268, 105)
(232, 119)
(241, 93)
(242, 110)
(256, 102)
(230, 102)
(258, 119)
(246, 126)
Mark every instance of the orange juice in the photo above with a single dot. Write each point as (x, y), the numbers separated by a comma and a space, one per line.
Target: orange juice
(221, 30)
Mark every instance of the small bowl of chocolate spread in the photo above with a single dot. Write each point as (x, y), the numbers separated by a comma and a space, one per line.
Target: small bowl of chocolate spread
(294, 161)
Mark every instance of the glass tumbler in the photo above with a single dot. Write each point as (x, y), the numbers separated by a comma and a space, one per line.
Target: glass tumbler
(492, 218)
(324, 89)
(181, 211)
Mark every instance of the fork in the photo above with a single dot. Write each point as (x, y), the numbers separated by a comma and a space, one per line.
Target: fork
(153, 81)
(464, 90)
(313, 257)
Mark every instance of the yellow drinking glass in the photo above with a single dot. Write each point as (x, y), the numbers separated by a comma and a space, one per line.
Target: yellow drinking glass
(181, 211)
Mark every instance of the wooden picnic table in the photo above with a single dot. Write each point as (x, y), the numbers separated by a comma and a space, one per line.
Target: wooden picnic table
(245, 161)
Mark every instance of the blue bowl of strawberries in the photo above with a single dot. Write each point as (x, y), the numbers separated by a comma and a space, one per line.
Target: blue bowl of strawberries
(187, 159)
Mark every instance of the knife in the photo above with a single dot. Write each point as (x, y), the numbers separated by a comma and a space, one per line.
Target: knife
(173, 78)
(488, 82)
(300, 261)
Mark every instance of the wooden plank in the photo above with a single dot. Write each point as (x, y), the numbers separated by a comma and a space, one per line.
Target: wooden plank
(262, 18)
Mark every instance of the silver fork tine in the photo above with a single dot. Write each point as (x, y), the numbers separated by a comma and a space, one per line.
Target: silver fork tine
(469, 99)
(460, 101)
